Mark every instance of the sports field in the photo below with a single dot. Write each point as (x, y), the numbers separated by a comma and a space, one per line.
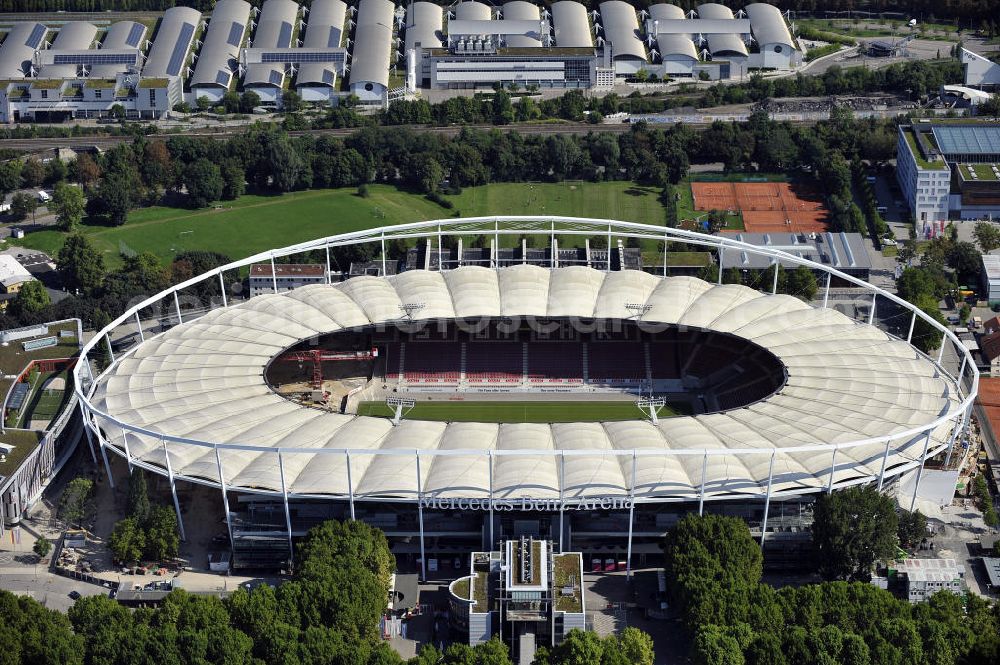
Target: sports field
(516, 412)
(255, 223)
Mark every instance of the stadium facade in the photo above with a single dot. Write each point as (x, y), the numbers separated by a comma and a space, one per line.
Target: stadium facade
(782, 398)
(383, 51)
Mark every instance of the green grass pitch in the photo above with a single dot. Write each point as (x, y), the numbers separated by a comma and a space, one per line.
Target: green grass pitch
(255, 223)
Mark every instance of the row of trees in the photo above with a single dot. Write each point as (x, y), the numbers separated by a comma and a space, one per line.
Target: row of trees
(714, 570)
(328, 614)
(148, 531)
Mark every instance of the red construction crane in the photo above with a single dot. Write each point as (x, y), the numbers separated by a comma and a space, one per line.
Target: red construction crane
(319, 356)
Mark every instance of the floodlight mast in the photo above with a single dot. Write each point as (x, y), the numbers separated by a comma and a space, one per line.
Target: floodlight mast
(638, 309)
(653, 406)
(408, 308)
(399, 403)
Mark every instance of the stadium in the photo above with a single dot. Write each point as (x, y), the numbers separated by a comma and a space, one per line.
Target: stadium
(589, 406)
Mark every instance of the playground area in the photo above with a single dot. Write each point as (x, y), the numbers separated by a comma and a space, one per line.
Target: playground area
(766, 207)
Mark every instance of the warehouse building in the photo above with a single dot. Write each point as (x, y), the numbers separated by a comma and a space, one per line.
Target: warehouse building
(471, 45)
(169, 53)
(219, 54)
(324, 56)
(373, 51)
(274, 31)
(18, 50)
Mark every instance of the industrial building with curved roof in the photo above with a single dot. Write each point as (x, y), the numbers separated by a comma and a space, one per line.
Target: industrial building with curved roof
(572, 27)
(372, 54)
(275, 28)
(169, 53)
(217, 58)
(621, 32)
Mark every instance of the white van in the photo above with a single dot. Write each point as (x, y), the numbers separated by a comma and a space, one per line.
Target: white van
(44, 196)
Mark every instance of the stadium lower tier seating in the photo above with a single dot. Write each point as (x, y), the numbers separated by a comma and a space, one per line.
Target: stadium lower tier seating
(738, 376)
(555, 363)
(494, 363)
(616, 362)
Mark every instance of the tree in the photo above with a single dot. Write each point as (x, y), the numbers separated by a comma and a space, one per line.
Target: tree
(204, 183)
(912, 527)
(42, 547)
(636, 646)
(127, 541)
(30, 633)
(162, 539)
(10, 176)
(32, 172)
(852, 529)
(138, 496)
(31, 299)
(290, 101)
(86, 171)
(233, 180)
(987, 236)
(503, 110)
(249, 100)
(80, 264)
(801, 283)
(23, 204)
(68, 205)
(203, 103)
(75, 500)
(965, 260)
(287, 166)
(114, 198)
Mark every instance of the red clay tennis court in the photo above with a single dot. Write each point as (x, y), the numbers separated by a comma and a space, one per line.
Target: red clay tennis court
(766, 207)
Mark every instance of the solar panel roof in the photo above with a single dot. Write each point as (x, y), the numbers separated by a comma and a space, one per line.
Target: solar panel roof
(94, 58)
(180, 49)
(235, 33)
(222, 78)
(285, 35)
(18, 396)
(274, 78)
(327, 77)
(36, 36)
(135, 34)
(334, 40)
(967, 139)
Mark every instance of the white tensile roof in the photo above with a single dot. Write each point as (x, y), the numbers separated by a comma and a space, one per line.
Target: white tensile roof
(202, 380)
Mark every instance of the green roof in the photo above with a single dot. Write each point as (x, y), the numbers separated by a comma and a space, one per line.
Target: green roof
(154, 83)
(911, 140)
(24, 441)
(47, 84)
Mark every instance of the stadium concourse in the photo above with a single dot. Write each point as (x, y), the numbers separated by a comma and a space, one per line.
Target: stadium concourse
(847, 404)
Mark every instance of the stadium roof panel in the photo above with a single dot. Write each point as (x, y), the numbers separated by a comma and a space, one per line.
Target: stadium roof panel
(120, 36)
(173, 41)
(202, 380)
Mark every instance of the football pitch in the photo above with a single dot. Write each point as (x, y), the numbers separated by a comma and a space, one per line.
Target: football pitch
(516, 412)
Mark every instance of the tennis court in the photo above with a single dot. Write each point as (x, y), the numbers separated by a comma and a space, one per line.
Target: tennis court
(766, 207)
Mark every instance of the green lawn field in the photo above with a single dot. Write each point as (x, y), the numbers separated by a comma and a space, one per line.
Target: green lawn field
(515, 412)
(256, 223)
